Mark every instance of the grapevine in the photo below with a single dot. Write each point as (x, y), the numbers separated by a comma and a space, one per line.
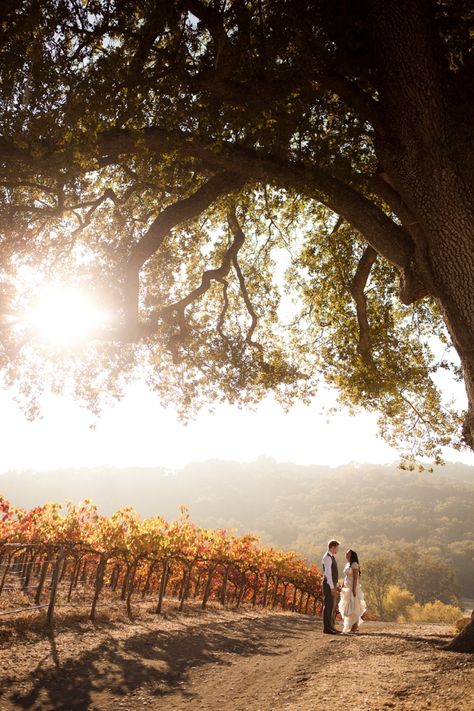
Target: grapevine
(53, 553)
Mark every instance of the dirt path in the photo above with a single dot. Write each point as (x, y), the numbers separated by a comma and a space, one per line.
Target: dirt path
(223, 661)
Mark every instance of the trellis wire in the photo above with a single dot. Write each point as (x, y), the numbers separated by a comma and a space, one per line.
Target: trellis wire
(84, 569)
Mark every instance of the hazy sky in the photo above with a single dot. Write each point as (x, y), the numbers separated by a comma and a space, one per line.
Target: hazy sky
(138, 431)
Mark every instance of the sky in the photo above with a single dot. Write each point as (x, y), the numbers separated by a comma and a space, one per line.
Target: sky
(137, 431)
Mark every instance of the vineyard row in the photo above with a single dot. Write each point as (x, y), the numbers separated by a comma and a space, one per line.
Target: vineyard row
(50, 558)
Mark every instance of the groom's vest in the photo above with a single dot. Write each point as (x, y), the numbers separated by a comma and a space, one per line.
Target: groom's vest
(334, 571)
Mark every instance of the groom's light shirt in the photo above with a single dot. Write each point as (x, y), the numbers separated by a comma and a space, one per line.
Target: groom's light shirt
(327, 567)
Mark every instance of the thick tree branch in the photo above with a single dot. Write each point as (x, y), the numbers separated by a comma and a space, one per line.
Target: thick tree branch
(12, 184)
(222, 315)
(390, 240)
(10, 153)
(149, 33)
(412, 73)
(355, 98)
(412, 285)
(213, 22)
(93, 205)
(382, 187)
(176, 312)
(173, 215)
(237, 231)
(357, 288)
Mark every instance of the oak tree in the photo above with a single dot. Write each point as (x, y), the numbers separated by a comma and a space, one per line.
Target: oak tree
(263, 194)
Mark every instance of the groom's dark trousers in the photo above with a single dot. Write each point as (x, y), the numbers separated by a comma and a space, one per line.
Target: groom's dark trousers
(329, 608)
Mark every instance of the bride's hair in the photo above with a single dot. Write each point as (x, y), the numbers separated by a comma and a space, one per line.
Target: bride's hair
(354, 558)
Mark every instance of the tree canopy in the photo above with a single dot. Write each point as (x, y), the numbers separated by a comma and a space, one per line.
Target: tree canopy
(262, 195)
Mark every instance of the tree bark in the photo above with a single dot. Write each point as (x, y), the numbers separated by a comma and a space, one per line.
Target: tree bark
(421, 152)
(464, 641)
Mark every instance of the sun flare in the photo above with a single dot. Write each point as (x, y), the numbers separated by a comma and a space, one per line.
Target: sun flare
(63, 316)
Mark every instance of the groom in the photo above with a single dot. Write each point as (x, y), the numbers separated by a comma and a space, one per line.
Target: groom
(330, 579)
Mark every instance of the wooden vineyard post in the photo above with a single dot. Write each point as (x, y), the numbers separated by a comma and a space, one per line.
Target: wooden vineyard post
(265, 592)
(295, 593)
(84, 572)
(114, 578)
(207, 589)
(131, 588)
(164, 580)
(22, 558)
(198, 582)
(241, 589)
(99, 582)
(150, 572)
(123, 594)
(74, 576)
(28, 568)
(182, 583)
(54, 586)
(187, 581)
(5, 573)
(44, 570)
(255, 588)
(301, 601)
(275, 593)
(222, 594)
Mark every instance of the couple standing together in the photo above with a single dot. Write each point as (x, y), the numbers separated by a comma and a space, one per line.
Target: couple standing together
(351, 604)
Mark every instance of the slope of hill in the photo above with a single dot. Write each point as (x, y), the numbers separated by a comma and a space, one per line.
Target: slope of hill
(372, 508)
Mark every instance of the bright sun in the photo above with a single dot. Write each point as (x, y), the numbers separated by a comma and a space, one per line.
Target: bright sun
(63, 316)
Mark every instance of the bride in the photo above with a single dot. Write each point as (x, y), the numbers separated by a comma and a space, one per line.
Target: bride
(352, 604)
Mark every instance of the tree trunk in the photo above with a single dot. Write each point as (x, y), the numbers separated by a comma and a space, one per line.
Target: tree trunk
(163, 581)
(256, 586)
(198, 582)
(131, 588)
(275, 593)
(464, 641)
(99, 583)
(123, 593)
(186, 585)
(44, 570)
(207, 589)
(146, 587)
(265, 592)
(424, 157)
(241, 590)
(222, 594)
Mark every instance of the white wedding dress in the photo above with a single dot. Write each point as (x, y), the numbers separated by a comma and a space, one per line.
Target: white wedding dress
(351, 607)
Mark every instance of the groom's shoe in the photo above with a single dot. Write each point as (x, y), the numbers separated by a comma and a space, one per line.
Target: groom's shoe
(330, 632)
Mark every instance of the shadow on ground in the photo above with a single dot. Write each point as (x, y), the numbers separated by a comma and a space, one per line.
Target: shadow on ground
(156, 659)
(436, 640)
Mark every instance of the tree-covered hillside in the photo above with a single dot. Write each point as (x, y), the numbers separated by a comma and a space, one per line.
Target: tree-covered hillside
(375, 509)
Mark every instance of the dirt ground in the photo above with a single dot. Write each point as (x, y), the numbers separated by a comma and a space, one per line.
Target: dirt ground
(221, 660)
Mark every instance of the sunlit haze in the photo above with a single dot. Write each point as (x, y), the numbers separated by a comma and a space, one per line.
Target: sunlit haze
(64, 315)
(138, 431)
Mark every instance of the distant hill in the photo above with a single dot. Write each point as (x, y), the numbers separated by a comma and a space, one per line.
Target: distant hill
(373, 508)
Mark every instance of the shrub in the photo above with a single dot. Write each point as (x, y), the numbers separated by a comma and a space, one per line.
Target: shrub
(397, 603)
(435, 612)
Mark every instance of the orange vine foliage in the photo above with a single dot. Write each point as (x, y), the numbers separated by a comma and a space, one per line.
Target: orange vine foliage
(144, 542)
